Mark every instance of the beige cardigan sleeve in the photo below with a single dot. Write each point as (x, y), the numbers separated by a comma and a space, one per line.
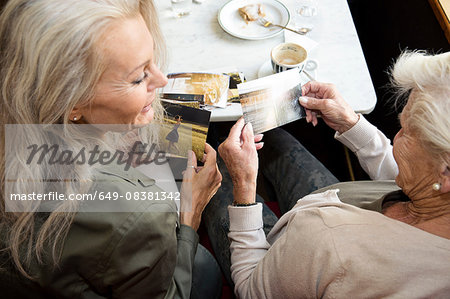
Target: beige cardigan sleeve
(373, 149)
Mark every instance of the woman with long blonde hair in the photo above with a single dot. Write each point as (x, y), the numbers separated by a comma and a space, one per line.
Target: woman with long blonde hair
(67, 69)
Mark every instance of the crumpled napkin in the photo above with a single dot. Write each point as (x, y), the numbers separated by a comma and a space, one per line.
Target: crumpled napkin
(302, 40)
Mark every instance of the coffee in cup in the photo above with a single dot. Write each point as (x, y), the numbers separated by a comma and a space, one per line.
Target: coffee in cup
(287, 56)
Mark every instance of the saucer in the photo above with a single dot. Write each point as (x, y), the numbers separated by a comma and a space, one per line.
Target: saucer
(266, 70)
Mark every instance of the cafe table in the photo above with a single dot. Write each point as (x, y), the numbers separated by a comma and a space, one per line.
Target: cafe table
(198, 43)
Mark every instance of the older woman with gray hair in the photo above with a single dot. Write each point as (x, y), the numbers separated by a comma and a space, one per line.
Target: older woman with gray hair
(395, 244)
(78, 65)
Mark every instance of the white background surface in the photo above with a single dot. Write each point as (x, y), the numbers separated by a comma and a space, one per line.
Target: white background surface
(197, 42)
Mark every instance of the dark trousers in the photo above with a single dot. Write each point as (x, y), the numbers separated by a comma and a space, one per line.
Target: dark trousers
(291, 171)
(206, 276)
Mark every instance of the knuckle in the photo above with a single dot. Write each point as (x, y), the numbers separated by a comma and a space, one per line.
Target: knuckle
(224, 145)
(221, 148)
(328, 103)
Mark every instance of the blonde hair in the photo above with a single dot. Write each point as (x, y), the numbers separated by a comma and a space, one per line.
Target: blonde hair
(48, 65)
(426, 78)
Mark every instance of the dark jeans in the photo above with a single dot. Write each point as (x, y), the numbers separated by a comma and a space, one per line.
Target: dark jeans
(291, 171)
(206, 276)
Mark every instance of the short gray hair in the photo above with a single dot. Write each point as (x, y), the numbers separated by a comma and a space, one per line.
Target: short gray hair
(427, 79)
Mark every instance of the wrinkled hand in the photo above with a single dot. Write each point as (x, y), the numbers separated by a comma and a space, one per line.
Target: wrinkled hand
(324, 99)
(198, 187)
(239, 154)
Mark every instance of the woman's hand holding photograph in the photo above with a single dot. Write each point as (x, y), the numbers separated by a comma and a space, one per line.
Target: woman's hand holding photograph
(239, 154)
(324, 99)
(198, 187)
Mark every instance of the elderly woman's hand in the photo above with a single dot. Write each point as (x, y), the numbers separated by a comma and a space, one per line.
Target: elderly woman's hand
(324, 99)
(239, 154)
(198, 187)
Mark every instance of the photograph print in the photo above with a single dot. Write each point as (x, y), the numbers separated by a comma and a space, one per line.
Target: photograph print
(272, 101)
(184, 128)
(206, 88)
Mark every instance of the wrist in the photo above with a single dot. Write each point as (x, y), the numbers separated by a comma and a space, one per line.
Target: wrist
(190, 213)
(244, 185)
(190, 219)
(350, 122)
(244, 195)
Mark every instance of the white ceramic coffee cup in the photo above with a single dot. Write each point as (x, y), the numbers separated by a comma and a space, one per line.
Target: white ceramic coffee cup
(287, 56)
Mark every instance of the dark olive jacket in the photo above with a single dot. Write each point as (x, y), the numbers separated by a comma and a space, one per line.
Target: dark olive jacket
(143, 253)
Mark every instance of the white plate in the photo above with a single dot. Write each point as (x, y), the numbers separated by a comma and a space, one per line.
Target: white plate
(234, 24)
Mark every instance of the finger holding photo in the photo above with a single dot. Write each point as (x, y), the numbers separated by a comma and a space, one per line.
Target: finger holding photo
(237, 150)
(324, 99)
(198, 187)
(258, 141)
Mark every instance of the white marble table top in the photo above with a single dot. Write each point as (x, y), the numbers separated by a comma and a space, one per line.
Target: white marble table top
(198, 43)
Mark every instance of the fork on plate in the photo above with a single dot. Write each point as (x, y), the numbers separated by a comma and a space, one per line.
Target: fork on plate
(267, 23)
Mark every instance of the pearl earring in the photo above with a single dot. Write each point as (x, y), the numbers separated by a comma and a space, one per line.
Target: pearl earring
(436, 186)
(74, 118)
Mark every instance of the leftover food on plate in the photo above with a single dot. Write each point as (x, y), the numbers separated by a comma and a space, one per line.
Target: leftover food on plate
(252, 12)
